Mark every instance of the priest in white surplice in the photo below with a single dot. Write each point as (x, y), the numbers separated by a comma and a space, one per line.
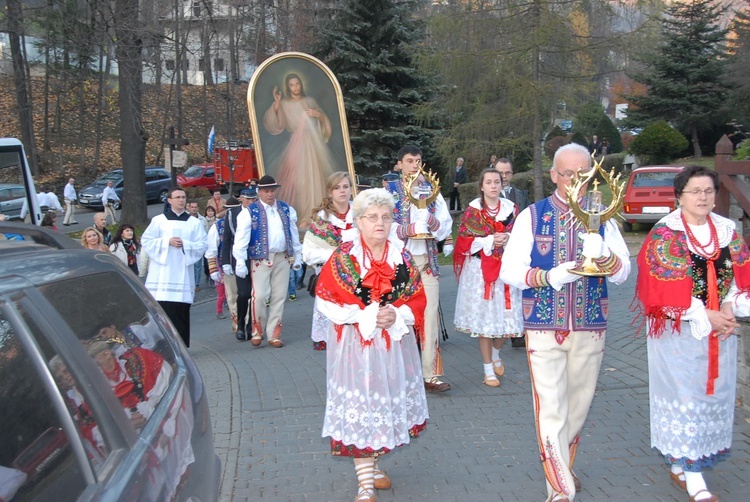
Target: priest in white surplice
(174, 242)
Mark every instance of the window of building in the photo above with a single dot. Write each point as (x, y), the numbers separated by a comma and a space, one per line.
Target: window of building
(169, 64)
(219, 64)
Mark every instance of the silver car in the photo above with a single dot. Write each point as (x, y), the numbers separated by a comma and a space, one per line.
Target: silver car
(11, 200)
(99, 398)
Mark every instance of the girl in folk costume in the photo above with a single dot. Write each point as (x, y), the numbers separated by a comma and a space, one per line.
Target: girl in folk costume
(693, 279)
(329, 220)
(371, 292)
(485, 307)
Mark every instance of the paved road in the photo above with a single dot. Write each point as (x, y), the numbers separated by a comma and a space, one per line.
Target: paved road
(267, 408)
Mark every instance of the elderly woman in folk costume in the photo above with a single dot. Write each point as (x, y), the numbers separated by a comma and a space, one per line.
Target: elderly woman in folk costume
(371, 292)
(329, 221)
(693, 280)
(485, 307)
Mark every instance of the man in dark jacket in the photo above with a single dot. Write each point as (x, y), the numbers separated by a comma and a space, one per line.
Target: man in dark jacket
(458, 177)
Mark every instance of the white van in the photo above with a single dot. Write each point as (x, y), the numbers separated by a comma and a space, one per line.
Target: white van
(16, 183)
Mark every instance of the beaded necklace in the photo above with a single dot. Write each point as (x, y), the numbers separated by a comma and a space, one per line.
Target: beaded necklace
(713, 241)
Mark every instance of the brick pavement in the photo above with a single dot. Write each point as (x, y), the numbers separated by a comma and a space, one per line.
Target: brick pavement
(267, 409)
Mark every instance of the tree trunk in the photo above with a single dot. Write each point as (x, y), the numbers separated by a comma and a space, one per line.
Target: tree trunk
(99, 108)
(536, 128)
(697, 153)
(23, 93)
(208, 77)
(132, 134)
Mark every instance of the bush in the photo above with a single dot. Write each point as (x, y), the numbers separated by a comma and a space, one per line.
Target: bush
(552, 144)
(660, 142)
(198, 194)
(525, 181)
(627, 140)
(615, 161)
(606, 130)
(579, 138)
(743, 150)
(556, 132)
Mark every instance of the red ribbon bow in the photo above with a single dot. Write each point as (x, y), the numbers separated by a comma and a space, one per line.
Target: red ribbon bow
(378, 279)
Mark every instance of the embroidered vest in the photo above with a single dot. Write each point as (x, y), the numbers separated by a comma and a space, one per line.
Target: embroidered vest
(584, 300)
(401, 215)
(220, 230)
(258, 247)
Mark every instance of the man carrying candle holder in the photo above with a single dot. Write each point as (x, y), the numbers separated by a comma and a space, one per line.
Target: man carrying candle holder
(565, 315)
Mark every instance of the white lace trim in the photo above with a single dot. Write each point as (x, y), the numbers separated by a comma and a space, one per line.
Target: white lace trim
(724, 226)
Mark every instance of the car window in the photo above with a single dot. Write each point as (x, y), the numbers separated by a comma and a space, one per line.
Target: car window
(654, 179)
(122, 335)
(193, 172)
(5, 194)
(209, 173)
(36, 460)
(151, 176)
(164, 175)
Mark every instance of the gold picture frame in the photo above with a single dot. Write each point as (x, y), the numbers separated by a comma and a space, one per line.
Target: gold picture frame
(299, 128)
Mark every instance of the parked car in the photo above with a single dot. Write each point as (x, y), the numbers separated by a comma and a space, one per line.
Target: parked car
(158, 183)
(11, 200)
(200, 175)
(649, 195)
(99, 398)
(566, 125)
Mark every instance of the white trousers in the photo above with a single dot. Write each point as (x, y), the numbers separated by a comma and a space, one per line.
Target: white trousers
(70, 211)
(109, 210)
(563, 381)
(432, 363)
(270, 279)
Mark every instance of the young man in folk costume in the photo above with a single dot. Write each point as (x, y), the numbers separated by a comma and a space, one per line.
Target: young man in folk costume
(267, 237)
(565, 315)
(411, 221)
(232, 282)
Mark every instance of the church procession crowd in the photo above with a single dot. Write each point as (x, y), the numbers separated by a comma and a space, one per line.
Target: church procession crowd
(376, 281)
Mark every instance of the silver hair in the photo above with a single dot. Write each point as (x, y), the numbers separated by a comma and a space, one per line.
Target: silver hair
(371, 197)
(573, 147)
(460, 158)
(55, 363)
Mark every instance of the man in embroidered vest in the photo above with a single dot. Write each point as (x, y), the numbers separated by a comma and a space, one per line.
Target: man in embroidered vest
(267, 237)
(174, 242)
(565, 315)
(411, 221)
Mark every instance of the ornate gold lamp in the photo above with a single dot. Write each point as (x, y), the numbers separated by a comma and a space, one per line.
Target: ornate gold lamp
(421, 194)
(593, 215)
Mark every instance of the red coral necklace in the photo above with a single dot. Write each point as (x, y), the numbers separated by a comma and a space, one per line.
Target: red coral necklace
(713, 241)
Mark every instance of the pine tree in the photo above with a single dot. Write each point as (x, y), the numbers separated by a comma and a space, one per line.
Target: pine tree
(683, 76)
(369, 47)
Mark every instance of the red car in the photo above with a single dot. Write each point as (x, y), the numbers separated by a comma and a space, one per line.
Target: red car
(200, 175)
(649, 195)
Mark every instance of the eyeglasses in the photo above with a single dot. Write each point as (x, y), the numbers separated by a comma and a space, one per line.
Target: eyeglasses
(374, 218)
(696, 192)
(567, 174)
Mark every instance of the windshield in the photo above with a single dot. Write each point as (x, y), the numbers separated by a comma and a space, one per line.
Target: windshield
(193, 172)
(113, 176)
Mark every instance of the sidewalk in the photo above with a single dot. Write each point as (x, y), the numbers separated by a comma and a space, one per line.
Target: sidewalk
(267, 410)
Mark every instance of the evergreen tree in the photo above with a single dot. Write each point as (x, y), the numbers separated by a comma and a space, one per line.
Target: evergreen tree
(605, 129)
(738, 67)
(683, 76)
(368, 46)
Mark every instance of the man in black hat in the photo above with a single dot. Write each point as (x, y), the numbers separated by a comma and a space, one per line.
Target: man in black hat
(269, 249)
(247, 196)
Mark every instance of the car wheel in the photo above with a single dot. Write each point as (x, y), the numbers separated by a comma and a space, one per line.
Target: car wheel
(627, 226)
(163, 196)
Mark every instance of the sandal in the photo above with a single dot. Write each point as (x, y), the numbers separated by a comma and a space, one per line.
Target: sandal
(499, 369)
(382, 481)
(712, 498)
(256, 340)
(365, 495)
(276, 343)
(678, 479)
(491, 381)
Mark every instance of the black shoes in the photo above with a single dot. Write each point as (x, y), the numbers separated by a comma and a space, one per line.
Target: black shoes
(240, 334)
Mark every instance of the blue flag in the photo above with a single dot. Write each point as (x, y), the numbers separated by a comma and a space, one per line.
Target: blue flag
(211, 139)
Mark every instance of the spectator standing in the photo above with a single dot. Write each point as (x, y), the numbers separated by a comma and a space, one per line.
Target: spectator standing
(218, 204)
(595, 146)
(70, 198)
(100, 223)
(194, 211)
(126, 246)
(109, 201)
(493, 161)
(52, 201)
(457, 178)
(174, 242)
